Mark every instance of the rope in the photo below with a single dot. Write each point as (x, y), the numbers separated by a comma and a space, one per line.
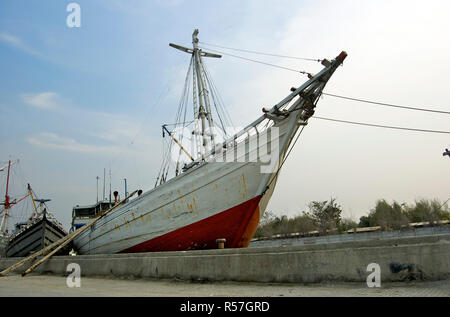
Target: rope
(263, 63)
(387, 104)
(261, 53)
(382, 126)
(218, 104)
(284, 160)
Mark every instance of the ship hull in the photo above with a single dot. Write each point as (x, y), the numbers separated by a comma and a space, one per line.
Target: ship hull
(190, 213)
(34, 238)
(236, 225)
(214, 200)
(3, 244)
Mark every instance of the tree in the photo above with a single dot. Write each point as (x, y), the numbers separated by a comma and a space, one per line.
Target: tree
(347, 224)
(271, 225)
(386, 216)
(327, 215)
(427, 211)
(366, 221)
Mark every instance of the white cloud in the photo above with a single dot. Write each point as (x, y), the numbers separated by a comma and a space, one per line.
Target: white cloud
(43, 100)
(107, 133)
(17, 43)
(54, 141)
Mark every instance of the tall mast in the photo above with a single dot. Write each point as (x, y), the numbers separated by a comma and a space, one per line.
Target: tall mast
(203, 90)
(32, 199)
(7, 203)
(4, 224)
(204, 111)
(196, 123)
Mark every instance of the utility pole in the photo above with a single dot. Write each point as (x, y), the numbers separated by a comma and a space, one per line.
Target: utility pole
(109, 185)
(97, 187)
(104, 178)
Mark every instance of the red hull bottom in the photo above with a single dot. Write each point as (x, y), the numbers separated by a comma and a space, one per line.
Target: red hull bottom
(237, 225)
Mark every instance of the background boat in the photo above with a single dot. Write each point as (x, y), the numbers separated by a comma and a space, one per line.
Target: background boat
(38, 231)
(34, 236)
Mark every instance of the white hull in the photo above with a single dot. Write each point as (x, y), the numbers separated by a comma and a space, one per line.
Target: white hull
(200, 193)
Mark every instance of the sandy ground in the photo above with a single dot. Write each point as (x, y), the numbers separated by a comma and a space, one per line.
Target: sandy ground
(51, 285)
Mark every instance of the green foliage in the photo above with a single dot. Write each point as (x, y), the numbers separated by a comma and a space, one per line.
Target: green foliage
(325, 217)
(425, 211)
(271, 225)
(394, 216)
(389, 216)
(322, 216)
(365, 221)
(347, 224)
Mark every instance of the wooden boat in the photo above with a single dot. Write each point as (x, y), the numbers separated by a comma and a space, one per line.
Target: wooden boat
(223, 188)
(34, 236)
(39, 231)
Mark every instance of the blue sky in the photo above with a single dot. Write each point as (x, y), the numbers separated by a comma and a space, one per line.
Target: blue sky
(77, 100)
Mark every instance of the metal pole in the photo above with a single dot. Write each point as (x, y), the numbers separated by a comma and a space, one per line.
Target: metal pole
(104, 177)
(97, 187)
(109, 185)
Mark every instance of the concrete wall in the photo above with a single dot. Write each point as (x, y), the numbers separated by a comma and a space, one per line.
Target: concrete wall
(422, 258)
(364, 236)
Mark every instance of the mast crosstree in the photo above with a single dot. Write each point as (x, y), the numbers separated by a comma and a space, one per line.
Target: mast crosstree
(202, 104)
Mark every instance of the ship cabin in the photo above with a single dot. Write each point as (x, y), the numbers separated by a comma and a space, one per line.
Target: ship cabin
(81, 215)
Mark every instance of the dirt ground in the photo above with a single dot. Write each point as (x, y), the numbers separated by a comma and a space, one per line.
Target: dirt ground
(51, 285)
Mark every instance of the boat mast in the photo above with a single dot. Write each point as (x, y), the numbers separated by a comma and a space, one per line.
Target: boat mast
(32, 199)
(203, 113)
(7, 204)
(202, 91)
